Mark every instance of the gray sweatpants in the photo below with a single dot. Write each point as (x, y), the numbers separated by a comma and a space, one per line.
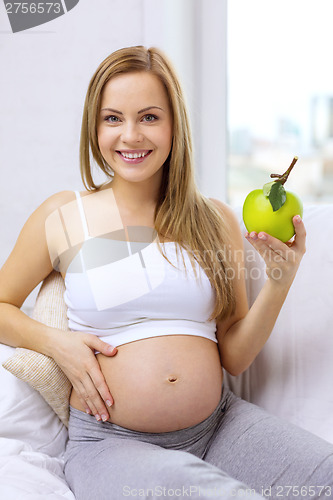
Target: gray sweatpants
(239, 451)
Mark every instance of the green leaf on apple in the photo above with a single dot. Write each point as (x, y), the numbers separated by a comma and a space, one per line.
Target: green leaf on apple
(277, 195)
(267, 188)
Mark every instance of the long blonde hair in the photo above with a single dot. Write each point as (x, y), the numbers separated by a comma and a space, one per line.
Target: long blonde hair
(182, 213)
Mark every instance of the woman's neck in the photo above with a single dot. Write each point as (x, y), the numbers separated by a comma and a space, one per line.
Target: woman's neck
(134, 197)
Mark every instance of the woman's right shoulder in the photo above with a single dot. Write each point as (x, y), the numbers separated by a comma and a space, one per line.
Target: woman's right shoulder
(55, 202)
(46, 212)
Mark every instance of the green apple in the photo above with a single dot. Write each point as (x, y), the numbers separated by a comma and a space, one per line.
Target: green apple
(272, 208)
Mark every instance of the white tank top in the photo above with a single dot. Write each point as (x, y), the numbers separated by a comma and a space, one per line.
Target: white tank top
(124, 291)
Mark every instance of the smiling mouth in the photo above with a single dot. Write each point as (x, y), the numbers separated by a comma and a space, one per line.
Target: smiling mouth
(134, 155)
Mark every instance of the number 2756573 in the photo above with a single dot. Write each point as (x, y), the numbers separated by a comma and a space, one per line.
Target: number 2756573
(33, 8)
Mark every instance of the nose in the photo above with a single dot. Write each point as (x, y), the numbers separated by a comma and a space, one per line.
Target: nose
(131, 133)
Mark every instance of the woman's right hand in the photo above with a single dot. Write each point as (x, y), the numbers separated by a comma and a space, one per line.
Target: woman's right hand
(74, 353)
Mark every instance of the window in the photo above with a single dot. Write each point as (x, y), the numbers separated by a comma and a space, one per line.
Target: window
(280, 96)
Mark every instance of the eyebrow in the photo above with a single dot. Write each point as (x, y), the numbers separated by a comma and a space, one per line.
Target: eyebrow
(141, 110)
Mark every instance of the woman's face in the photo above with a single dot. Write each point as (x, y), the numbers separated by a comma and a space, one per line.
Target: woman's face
(134, 127)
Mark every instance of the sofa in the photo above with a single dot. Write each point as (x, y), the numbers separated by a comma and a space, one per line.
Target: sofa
(292, 377)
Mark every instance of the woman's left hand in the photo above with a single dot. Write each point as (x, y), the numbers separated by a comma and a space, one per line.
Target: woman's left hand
(282, 259)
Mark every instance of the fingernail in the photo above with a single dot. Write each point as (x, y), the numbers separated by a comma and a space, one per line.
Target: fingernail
(108, 402)
(88, 411)
(253, 235)
(111, 349)
(98, 418)
(297, 218)
(262, 236)
(105, 418)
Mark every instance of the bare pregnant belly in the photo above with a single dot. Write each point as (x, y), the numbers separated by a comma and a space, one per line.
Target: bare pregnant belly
(162, 384)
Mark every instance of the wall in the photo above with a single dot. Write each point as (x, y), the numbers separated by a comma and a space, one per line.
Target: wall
(45, 72)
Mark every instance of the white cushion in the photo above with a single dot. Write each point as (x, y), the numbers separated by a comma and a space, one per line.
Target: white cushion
(25, 416)
(39, 371)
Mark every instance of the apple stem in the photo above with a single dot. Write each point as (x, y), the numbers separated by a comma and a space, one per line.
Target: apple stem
(283, 177)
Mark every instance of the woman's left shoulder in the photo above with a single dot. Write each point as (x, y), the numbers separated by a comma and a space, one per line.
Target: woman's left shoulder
(227, 213)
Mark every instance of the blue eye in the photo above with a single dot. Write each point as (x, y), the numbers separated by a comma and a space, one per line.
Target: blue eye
(150, 118)
(112, 119)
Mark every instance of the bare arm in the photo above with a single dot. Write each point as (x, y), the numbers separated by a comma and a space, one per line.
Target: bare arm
(28, 264)
(242, 336)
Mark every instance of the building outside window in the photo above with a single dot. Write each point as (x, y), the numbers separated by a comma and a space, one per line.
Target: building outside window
(280, 96)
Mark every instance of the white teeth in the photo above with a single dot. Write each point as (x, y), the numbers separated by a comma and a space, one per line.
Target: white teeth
(134, 155)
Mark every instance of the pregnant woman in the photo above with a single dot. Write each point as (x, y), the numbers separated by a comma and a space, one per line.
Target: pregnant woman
(157, 305)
